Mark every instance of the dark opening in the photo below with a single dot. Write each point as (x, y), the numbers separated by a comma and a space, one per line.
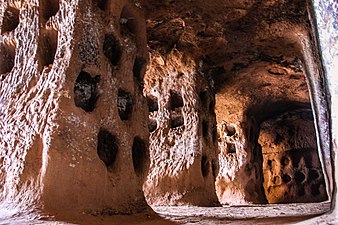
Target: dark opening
(231, 147)
(176, 121)
(124, 104)
(285, 161)
(204, 98)
(152, 103)
(313, 175)
(205, 128)
(10, 20)
(50, 8)
(299, 177)
(205, 166)
(139, 67)
(7, 56)
(286, 178)
(140, 155)
(112, 49)
(231, 131)
(107, 147)
(102, 4)
(152, 125)
(48, 46)
(86, 91)
(175, 101)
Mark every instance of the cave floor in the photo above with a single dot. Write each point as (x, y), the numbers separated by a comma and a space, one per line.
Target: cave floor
(189, 215)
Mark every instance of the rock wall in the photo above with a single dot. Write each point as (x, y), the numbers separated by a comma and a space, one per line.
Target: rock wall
(291, 166)
(73, 116)
(183, 144)
(246, 99)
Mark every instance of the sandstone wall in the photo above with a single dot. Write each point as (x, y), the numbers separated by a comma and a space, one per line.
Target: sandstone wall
(183, 144)
(291, 166)
(73, 116)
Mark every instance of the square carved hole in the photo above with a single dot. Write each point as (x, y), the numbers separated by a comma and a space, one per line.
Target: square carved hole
(176, 120)
(175, 100)
(152, 103)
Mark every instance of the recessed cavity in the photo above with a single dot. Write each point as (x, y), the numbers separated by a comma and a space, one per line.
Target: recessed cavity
(107, 147)
(205, 166)
(7, 56)
(299, 177)
(175, 101)
(204, 97)
(124, 104)
(102, 4)
(214, 168)
(139, 155)
(284, 161)
(286, 178)
(152, 103)
(313, 175)
(231, 148)
(139, 68)
(176, 121)
(231, 131)
(48, 46)
(10, 20)
(49, 8)
(152, 125)
(112, 49)
(86, 91)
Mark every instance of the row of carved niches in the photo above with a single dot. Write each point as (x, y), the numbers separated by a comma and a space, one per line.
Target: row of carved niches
(291, 166)
(108, 149)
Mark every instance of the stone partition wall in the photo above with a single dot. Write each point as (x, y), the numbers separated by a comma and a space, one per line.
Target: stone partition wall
(291, 166)
(73, 117)
(183, 143)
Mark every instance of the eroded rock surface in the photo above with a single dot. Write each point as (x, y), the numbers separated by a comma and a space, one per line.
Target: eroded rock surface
(183, 148)
(291, 166)
(73, 117)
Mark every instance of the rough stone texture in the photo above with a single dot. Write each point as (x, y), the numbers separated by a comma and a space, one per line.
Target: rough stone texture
(258, 53)
(291, 166)
(183, 150)
(70, 139)
(242, 104)
(254, 54)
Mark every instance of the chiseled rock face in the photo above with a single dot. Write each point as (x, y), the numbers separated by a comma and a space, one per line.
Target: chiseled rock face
(183, 144)
(74, 121)
(291, 166)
